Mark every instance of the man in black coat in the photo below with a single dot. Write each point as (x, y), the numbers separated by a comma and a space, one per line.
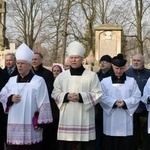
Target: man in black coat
(9, 71)
(10, 64)
(3, 117)
(50, 131)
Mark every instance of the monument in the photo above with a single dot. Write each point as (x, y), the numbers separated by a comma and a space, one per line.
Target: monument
(107, 40)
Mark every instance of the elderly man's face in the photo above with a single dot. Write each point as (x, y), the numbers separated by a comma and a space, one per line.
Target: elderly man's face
(137, 62)
(76, 61)
(23, 67)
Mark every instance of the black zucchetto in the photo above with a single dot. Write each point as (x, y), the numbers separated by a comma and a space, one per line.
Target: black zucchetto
(119, 61)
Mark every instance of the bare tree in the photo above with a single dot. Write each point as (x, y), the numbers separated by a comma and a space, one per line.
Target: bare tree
(53, 31)
(59, 22)
(134, 22)
(65, 25)
(26, 19)
(49, 25)
(141, 7)
(88, 8)
(103, 10)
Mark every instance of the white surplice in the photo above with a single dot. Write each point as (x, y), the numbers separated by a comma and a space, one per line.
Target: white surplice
(146, 94)
(34, 97)
(77, 120)
(119, 121)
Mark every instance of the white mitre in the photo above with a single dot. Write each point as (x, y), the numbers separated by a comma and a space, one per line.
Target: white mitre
(75, 48)
(23, 52)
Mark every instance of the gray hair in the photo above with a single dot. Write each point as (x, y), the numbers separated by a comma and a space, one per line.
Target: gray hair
(11, 54)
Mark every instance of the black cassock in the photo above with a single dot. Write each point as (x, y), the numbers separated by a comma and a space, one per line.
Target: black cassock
(3, 117)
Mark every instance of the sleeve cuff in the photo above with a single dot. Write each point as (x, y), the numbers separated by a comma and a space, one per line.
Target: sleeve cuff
(124, 106)
(114, 106)
(148, 100)
(80, 98)
(9, 101)
(65, 98)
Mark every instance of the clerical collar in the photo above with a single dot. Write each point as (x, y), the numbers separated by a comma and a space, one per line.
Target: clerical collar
(77, 71)
(116, 79)
(27, 78)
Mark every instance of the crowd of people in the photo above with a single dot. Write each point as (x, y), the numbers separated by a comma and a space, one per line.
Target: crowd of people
(72, 108)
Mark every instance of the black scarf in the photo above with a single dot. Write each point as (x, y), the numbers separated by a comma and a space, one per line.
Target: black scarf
(27, 78)
(77, 71)
(120, 79)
